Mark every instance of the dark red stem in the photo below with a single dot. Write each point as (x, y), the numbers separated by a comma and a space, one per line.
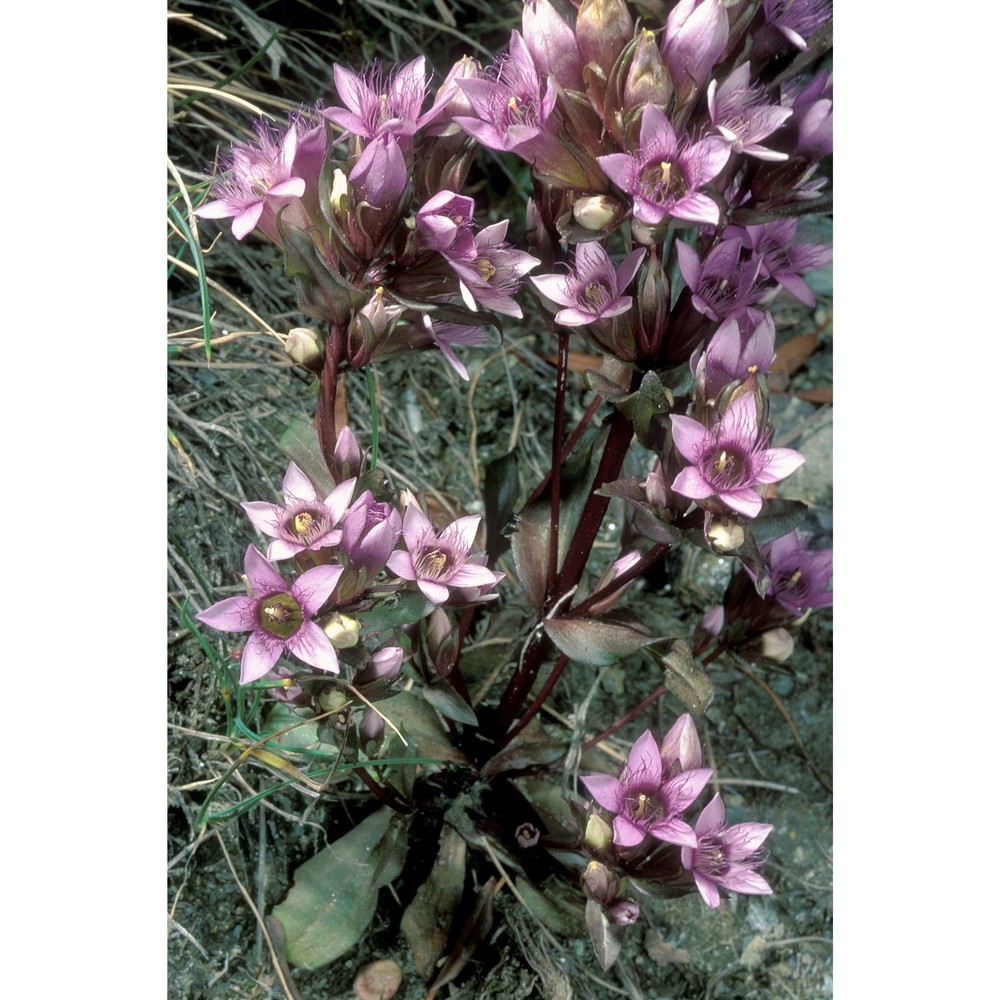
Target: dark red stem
(626, 718)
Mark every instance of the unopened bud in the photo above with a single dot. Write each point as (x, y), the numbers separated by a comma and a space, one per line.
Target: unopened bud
(777, 644)
(332, 699)
(371, 727)
(623, 912)
(596, 212)
(603, 29)
(726, 535)
(342, 631)
(600, 883)
(339, 189)
(598, 833)
(305, 347)
(648, 81)
(527, 835)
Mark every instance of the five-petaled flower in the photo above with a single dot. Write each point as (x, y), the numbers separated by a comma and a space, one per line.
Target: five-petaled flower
(730, 459)
(726, 857)
(303, 521)
(800, 578)
(278, 617)
(644, 800)
(665, 175)
(437, 560)
(594, 290)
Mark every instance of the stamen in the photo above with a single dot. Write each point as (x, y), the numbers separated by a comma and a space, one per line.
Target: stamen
(485, 267)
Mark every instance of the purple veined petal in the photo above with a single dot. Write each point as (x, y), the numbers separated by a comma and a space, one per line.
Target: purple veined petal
(260, 654)
(401, 563)
(746, 838)
(620, 167)
(627, 834)
(218, 209)
(282, 548)
(350, 88)
(264, 516)
(779, 463)
(796, 286)
(554, 287)
(298, 486)
(311, 645)
(466, 528)
(410, 80)
(347, 120)
(452, 358)
(616, 307)
(763, 153)
(650, 214)
(339, 499)
(689, 264)
(656, 130)
(481, 131)
(234, 614)
(436, 593)
(416, 524)
(686, 787)
(314, 586)
(482, 94)
(471, 575)
(744, 501)
(708, 889)
(691, 483)
(574, 317)
(644, 760)
(746, 881)
(629, 268)
(688, 436)
(724, 348)
(739, 417)
(294, 187)
(674, 831)
(263, 577)
(713, 817)
(247, 220)
(605, 789)
(695, 207)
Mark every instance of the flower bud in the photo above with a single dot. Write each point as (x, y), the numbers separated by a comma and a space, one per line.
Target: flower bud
(603, 29)
(552, 45)
(681, 746)
(777, 644)
(332, 699)
(347, 455)
(371, 728)
(598, 833)
(596, 212)
(725, 535)
(623, 912)
(648, 81)
(342, 631)
(652, 307)
(695, 38)
(600, 883)
(305, 347)
(383, 666)
(527, 835)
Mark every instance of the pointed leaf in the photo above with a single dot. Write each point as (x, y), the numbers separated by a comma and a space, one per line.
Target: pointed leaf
(605, 936)
(333, 898)
(450, 703)
(499, 499)
(686, 679)
(595, 642)
(403, 608)
(300, 443)
(530, 548)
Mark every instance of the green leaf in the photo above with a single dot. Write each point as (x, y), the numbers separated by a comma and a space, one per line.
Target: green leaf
(530, 548)
(500, 491)
(686, 679)
(300, 443)
(450, 703)
(777, 518)
(421, 726)
(595, 642)
(605, 936)
(550, 908)
(334, 895)
(401, 609)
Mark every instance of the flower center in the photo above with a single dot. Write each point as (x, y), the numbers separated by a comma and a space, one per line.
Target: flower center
(307, 525)
(727, 469)
(643, 807)
(279, 614)
(596, 296)
(712, 857)
(663, 182)
(485, 268)
(431, 564)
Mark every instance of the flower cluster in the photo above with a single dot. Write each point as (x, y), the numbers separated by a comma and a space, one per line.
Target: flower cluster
(648, 800)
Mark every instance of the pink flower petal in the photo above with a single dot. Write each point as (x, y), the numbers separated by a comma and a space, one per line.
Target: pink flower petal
(234, 614)
(298, 486)
(311, 645)
(260, 654)
(264, 578)
(314, 586)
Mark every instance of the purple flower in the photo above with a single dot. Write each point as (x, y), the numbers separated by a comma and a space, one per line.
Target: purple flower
(552, 44)
(377, 105)
(726, 857)
(722, 285)
(783, 261)
(681, 748)
(437, 560)
(444, 224)
(696, 36)
(742, 114)
(643, 802)
(492, 275)
(257, 175)
(730, 459)
(277, 617)
(800, 578)
(370, 533)
(595, 290)
(664, 177)
(812, 106)
(797, 20)
(303, 521)
(511, 109)
(444, 335)
(739, 348)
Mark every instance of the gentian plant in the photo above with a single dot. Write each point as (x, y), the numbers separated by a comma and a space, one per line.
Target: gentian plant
(671, 149)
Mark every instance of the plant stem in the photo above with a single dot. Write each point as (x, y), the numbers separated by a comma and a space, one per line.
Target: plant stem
(627, 717)
(556, 472)
(540, 698)
(568, 447)
(652, 556)
(374, 408)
